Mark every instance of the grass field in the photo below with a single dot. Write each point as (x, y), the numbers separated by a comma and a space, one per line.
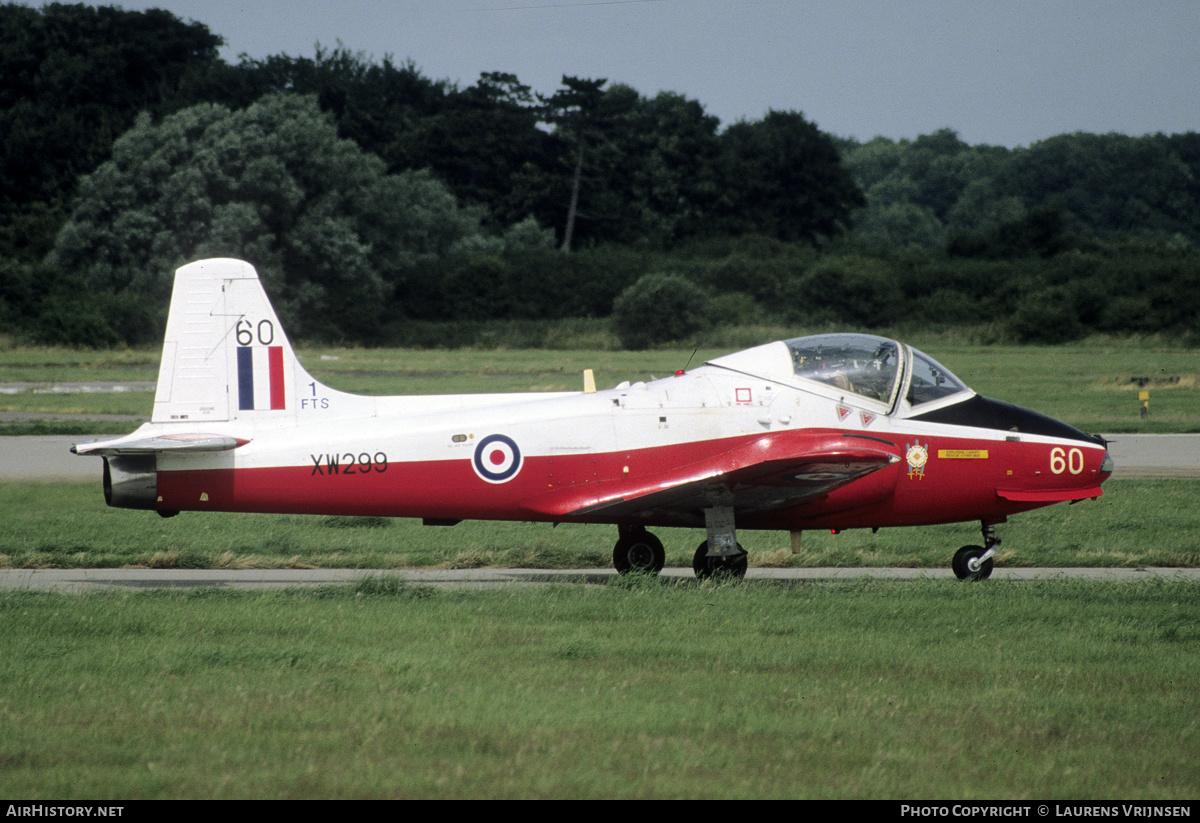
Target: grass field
(1136, 523)
(640, 689)
(1092, 385)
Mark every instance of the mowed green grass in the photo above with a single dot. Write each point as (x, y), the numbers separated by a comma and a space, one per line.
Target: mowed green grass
(66, 525)
(638, 689)
(642, 688)
(1092, 385)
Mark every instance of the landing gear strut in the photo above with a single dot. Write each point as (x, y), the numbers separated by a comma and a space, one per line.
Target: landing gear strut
(720, 555)
(637, 550)
(975, 562)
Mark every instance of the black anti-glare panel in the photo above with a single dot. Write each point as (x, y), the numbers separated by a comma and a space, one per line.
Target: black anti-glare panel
(984, 413)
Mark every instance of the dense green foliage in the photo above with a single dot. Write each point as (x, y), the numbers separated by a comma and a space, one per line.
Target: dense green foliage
(937, 193)
(329, 231)
(72, 78)
(657, 308)
(372, 197)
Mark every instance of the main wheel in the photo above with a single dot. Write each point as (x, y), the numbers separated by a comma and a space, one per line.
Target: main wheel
(966, 564)
(731, 567)
(642, 552)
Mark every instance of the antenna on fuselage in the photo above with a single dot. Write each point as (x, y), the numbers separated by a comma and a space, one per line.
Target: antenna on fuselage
(689, 362)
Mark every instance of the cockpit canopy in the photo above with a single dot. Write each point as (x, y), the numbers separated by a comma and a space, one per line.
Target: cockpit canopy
(870, 367)
(853, 363)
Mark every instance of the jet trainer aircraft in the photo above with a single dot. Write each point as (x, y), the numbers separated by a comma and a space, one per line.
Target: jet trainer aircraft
(834, 431)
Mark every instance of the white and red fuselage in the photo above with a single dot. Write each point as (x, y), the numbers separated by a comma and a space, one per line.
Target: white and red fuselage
(831, 431)
(523, 458)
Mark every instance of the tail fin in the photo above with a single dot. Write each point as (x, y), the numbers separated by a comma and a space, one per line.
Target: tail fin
(225, 356)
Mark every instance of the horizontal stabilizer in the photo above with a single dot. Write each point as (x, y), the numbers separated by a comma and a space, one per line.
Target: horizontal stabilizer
(173, 443)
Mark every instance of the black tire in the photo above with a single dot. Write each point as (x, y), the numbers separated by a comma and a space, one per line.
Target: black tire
(707, 567)
(639, 553)
(964, 556)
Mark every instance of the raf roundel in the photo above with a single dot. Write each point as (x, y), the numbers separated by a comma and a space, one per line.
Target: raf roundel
(497, 458)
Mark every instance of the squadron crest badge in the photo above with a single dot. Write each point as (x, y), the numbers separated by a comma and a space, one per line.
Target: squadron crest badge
(917, 456)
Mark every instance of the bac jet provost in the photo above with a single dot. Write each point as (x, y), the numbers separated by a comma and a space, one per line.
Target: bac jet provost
(833, 431)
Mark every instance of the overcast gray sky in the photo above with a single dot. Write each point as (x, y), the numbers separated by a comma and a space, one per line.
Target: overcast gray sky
(1004, 73)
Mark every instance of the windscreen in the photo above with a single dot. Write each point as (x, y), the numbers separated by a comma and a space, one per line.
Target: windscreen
(931, 380)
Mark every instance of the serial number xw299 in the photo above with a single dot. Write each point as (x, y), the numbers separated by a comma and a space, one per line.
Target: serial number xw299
(348, 463)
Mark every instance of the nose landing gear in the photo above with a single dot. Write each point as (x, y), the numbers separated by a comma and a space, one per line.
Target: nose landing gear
(975, 562)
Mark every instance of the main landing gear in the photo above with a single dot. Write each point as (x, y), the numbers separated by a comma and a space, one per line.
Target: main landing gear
(720, 555)
(975, 562)
(637, 550)
(706, 565)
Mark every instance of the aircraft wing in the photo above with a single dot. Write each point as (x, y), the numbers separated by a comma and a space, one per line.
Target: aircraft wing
(175, 443)
(769, 473)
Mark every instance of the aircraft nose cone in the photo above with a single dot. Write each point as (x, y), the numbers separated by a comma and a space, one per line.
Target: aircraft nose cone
(1108, 464)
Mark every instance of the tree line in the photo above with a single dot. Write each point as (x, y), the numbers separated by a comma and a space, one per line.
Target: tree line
(369, 195)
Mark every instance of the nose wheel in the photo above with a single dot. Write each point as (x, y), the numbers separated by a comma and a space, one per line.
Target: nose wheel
(975, 562)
